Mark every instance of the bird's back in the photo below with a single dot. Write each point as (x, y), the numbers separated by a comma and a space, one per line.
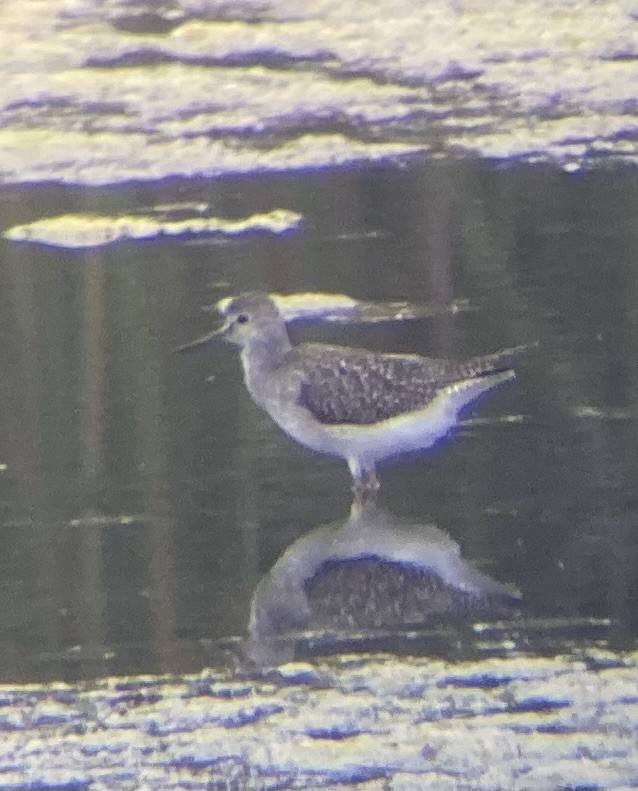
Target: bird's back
(344, 385)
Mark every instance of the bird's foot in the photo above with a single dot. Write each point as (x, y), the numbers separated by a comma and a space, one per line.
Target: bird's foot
(365, 490)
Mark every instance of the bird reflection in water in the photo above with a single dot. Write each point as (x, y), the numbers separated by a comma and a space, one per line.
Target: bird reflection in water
(373, 572)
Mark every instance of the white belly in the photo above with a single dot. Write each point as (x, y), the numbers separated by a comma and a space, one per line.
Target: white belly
(369, 442)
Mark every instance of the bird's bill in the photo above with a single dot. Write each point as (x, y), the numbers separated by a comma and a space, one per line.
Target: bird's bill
(203, 339)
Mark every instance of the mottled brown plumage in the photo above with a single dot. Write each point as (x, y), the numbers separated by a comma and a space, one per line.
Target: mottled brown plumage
(346, 385)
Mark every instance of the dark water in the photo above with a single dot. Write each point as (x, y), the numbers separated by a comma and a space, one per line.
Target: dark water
(144, 495)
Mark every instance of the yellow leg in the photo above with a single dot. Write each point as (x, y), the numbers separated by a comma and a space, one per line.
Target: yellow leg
(365, 487)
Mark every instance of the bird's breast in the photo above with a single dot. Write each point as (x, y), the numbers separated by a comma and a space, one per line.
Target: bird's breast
(268, 383)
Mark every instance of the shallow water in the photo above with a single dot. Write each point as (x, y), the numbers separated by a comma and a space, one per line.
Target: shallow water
(514, 722)
(144, 495)
(128, 90)
(478, 628)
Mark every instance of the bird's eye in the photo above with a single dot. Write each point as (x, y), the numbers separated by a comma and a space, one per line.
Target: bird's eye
(243, 318)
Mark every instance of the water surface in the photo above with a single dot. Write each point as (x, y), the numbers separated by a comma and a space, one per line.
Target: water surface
(144, 494)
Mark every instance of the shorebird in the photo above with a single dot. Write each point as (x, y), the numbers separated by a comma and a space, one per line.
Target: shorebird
(361, 405)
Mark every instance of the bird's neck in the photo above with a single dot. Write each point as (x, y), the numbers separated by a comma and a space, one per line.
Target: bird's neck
(260, 358)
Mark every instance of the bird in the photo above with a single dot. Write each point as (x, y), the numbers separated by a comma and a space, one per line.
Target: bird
(363, 406)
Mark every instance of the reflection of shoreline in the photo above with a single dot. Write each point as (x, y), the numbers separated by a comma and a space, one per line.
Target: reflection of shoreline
(372, 572)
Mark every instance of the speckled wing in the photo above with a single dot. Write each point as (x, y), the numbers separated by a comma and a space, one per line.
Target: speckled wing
(342, 385)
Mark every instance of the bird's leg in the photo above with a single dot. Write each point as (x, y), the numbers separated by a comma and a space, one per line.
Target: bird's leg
(365, 483)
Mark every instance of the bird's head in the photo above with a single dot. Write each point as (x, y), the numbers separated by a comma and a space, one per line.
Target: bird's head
(248, 318)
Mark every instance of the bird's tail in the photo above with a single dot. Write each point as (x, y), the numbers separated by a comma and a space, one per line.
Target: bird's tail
(460, 394)
(497, 362)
